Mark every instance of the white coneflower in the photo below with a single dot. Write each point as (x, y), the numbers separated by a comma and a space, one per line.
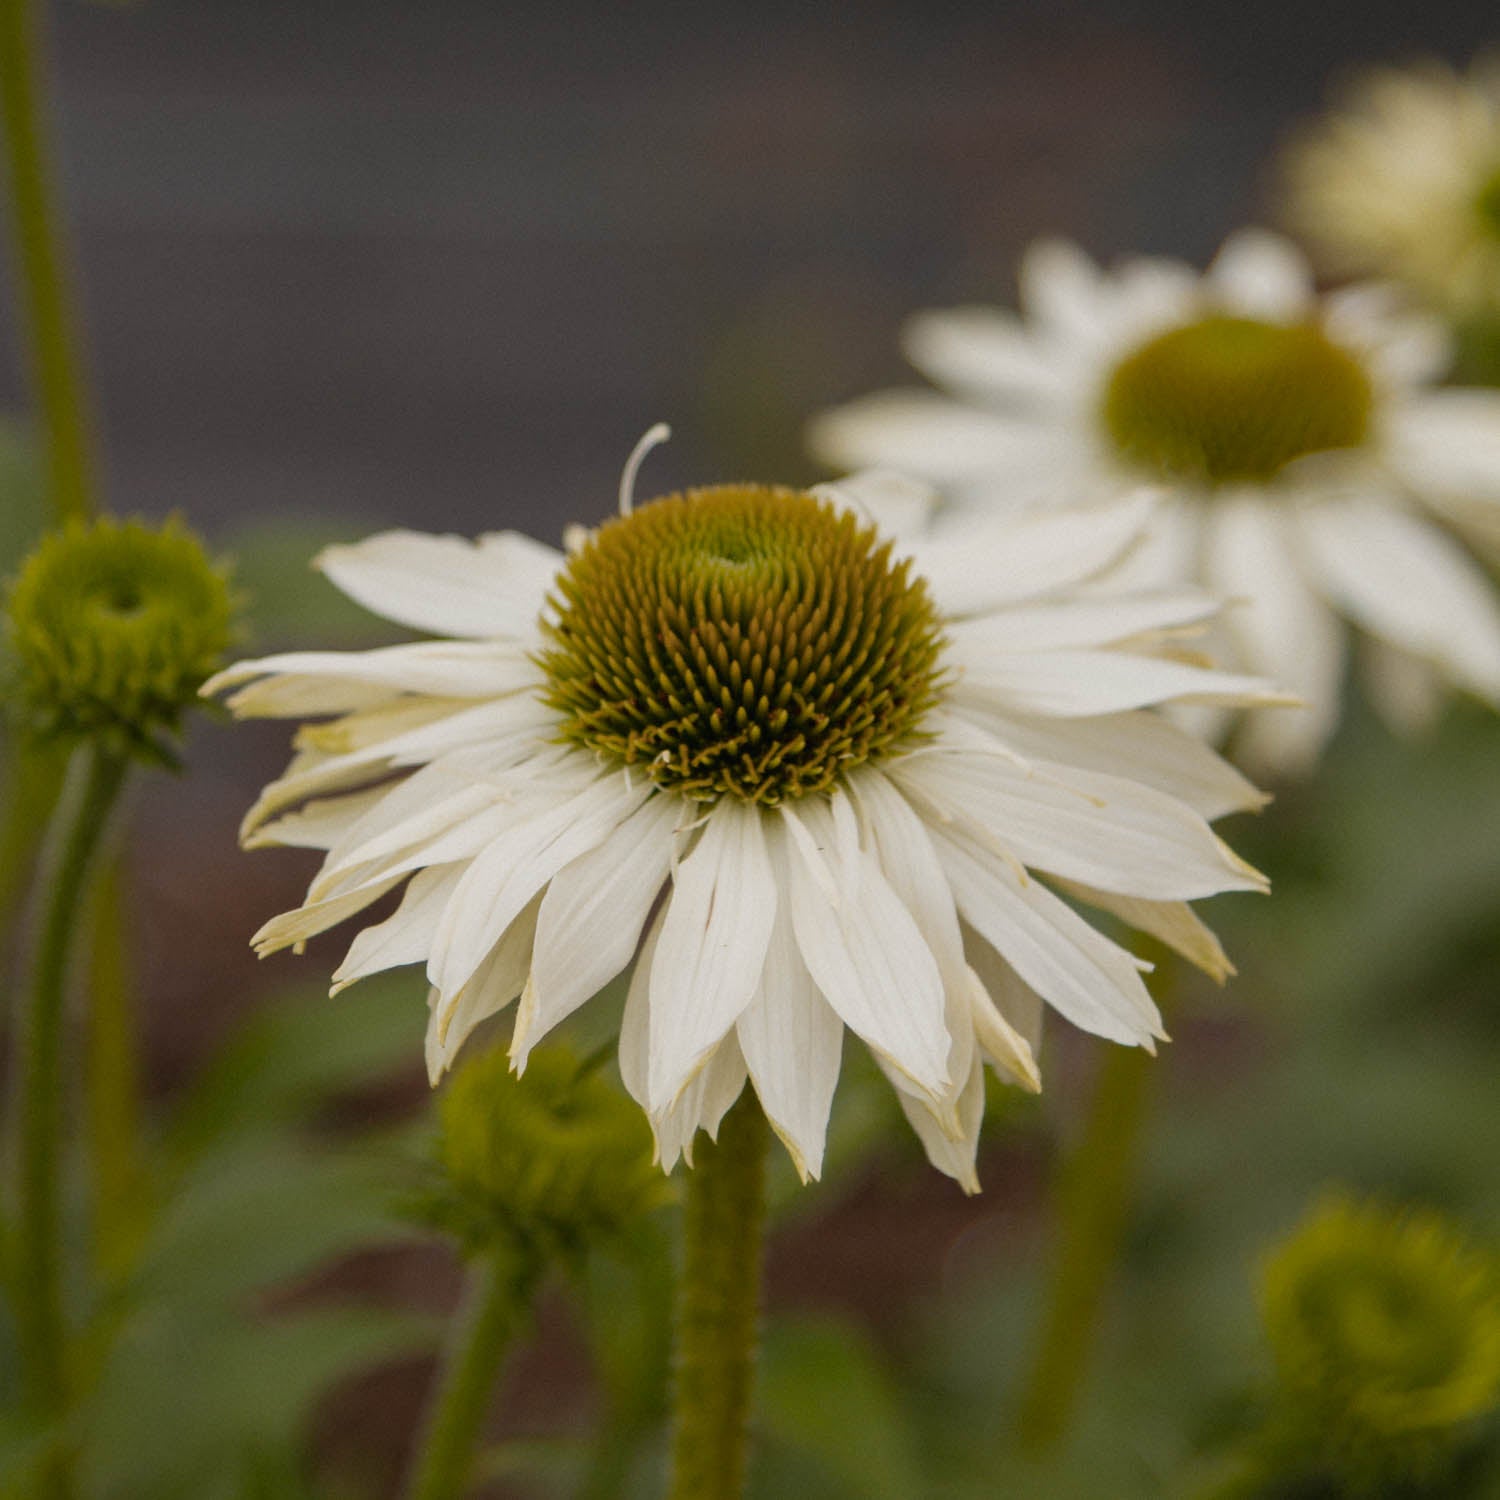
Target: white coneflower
(800, 776)
(1402, 179)
(1301, 440)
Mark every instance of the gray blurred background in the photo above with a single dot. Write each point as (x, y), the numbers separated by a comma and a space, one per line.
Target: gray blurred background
(442, 264)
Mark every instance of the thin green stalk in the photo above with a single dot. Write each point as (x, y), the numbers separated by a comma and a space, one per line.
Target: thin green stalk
(719, 1308)
(1093, 1197)
(121, 1189)
(94, 781)
(42, 265)
(495, 1303)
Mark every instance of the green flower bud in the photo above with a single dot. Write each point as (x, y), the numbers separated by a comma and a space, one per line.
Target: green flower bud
(1385, 1327)
(110, 630)
(544, 1164)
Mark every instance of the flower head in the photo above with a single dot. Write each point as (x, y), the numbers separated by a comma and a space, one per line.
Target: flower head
(795, 756)
(1304, 450)
(111, 628)
(1386, 1332)
(1402, 180)
(545, 1164)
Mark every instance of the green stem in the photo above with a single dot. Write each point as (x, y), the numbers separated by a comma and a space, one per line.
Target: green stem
(42, 262)
(94, 781)
(719, 1308)
(1093, 1208)
(495, 1302)
(121, 1189)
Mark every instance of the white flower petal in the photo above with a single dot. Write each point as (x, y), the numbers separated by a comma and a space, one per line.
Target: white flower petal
(1075, 969)
(1086, 684)
(1406, 690)
(1402, 579)
(1262, 275)
(952, 1154)
(1002, 560)
(293, 928)
(918, 433)
(517, 862)
(494, 984)
(1139, 746)
(701, 1105)
(1283, 630)
(1020, 1007)
(1061, 288)
(1103, 830)
(298, 683)
(447, 584)
(591, 919)
(1000, 1042)
(982, 352)
(1091, 621)
(792, 1044)
(867, 955)
(713, 945)
(405, 937)
(319, 824)
(900, 507)
(1173, 923)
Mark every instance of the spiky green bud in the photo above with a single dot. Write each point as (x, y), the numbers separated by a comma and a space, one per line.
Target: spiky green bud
(111, 627)
(545, 1164)
(1385, 1326)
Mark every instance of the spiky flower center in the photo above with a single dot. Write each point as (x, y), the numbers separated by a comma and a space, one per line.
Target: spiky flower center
(112, 627)
(741, 641)
(1227, 400)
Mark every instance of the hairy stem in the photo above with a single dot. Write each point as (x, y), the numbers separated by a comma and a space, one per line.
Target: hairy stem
(719, 1308)
(94, 781)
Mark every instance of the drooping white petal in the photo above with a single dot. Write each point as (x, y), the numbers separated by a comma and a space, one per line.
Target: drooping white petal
(293, 928)
(701, 1105)
(952, 1152)
(447, 584)
(1086, 684)
(405, 937)
(299, 683)
(319, 824)
(792, 1044)
(867, 955)
(1084, 825)
(1001, 1042)
(1173, 923)
(1002, 560)
(1281, 628)
(1262, 275)
(1445, 445)
(1020, 1007)
(1402, 579)
(1141, 746)
(493, 985)
(518, 861)
(1090, 980)
(591, 919)
(713, 945)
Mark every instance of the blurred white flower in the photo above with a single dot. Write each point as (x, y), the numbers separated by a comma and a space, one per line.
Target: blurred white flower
(1301, 443)
(1402, 179)
(798, 768)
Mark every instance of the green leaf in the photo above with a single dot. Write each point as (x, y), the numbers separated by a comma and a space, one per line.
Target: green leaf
(296, 1052)
(826, 1391)
(182, 1402)
(247, 1219)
